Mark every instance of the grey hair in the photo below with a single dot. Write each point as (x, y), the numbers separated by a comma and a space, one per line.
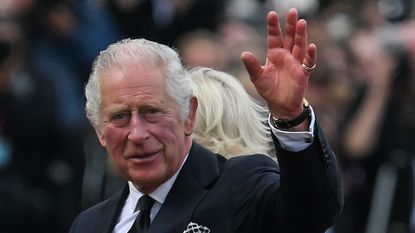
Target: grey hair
(139, 52)
(229, 121)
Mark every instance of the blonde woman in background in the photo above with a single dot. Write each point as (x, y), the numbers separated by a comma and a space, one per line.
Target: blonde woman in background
(228, 121)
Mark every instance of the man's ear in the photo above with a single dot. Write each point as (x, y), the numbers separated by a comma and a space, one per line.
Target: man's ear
(190, 120)
(100, 136)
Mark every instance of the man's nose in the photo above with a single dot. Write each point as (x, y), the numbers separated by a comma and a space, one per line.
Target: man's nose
(138, 132)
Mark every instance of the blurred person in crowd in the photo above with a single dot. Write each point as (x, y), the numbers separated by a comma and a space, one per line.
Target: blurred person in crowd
(220, 50)
(140, 102)
(379, 131)
(67, 36)
(203, 48)
(164, 20)
(228, 120)
(237, 36)
(36, 182)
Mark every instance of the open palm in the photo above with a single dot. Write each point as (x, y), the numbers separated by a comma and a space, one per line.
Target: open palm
(282, 80)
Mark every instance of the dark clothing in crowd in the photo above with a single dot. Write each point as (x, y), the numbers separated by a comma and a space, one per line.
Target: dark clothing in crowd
(38, 178)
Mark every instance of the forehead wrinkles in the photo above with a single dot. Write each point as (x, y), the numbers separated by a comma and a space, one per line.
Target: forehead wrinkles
(147, 98)
(136, 76)
(138, 96)
(137, 83)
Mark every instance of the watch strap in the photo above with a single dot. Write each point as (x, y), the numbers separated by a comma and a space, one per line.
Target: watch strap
(287, 124)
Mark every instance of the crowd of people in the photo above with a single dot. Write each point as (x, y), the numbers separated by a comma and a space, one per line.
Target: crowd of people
(362, 91)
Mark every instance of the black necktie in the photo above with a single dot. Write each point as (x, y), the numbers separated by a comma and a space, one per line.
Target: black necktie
(142, 222)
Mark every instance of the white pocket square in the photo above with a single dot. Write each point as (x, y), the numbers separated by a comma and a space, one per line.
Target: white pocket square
(196, 228)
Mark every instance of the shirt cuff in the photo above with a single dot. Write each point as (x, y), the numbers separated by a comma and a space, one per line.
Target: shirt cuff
(294, 141)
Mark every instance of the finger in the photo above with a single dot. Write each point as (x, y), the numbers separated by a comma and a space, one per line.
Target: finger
(300, 41)
(310, 59)
(290, 29)
(251, 65)
(274, 33)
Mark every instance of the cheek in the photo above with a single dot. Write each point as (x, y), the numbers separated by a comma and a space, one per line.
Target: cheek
(172, 137)
(115, 140)
(174, 141)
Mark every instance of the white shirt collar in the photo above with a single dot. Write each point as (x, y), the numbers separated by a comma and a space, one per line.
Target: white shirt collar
(159, 194)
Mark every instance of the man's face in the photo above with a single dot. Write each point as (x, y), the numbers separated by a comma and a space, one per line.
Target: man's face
(141, 126)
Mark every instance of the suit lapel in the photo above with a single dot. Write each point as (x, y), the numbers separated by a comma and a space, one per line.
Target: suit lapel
(199, 171)
(110, 211)
(117, 211)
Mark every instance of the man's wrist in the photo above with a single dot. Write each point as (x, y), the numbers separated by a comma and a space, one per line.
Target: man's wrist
(286, 124)
(294, 140)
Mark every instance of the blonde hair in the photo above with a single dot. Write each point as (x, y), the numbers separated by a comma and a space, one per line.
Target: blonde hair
(228, 121)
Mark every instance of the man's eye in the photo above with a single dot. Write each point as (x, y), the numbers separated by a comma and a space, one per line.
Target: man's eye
(120, 119)
(151, 111)
(151, 114)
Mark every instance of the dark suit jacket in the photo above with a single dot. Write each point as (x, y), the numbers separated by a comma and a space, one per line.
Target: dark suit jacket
(249, 194)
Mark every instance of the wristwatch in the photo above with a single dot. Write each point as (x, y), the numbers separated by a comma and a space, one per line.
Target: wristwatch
(287, 124)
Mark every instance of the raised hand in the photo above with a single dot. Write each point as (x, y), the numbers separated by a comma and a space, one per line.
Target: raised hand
(283, 79)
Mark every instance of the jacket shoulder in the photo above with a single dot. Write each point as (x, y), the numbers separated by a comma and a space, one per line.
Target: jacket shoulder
(100, 217)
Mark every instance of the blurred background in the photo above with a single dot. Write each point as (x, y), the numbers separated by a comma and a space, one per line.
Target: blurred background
(363, 92)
